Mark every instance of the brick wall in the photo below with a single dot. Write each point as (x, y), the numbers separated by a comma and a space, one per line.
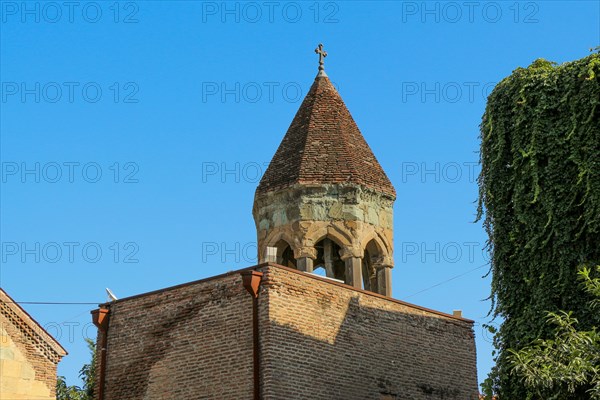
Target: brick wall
(319, 340)
(190, 342)
(323, 341)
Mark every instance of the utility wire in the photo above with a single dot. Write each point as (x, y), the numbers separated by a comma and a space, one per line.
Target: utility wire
(406, 297)
(446, 281)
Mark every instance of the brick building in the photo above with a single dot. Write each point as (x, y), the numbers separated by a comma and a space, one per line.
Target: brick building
(28, 355)
(278, 330)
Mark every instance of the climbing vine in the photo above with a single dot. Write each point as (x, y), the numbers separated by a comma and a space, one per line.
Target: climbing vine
(539, 199)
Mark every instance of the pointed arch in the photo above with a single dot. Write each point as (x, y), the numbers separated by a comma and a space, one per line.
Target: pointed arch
(384, 249)
(375, 258)
(285, 254)
(317, 233)
(275, 236)
(285, 245)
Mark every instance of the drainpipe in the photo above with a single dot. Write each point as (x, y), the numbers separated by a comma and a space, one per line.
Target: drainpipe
(100, 319)
(251, 280)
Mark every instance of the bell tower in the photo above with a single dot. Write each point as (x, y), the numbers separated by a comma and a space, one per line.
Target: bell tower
(324, 201)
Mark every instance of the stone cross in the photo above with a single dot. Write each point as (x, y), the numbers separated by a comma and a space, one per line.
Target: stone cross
(322, 54)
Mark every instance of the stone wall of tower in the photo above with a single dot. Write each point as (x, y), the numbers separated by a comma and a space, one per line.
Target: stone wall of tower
(303, 214)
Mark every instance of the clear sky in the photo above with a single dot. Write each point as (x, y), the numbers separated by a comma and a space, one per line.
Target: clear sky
(134, 135)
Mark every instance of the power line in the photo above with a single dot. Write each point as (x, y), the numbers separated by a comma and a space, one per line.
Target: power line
(406, 297)
(446, 281)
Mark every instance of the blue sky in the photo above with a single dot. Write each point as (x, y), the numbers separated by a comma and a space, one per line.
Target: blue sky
(133, 135)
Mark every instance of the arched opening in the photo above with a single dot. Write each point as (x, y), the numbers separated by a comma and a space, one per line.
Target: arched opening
(369, 271)
(328, 258)
(285, 254)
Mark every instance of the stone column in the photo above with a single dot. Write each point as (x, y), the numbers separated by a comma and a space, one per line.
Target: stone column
(271, 255)
(354, 271)
(305, 258)
(328, 257)
(384, 280)
(305, 264)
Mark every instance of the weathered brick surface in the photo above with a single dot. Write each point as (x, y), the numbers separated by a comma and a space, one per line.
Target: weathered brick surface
(28, 355)
(190, 342)
(324, 145)
(319, 340)
(323, 341)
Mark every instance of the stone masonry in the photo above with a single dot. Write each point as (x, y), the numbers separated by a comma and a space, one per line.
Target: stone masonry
(28, 355)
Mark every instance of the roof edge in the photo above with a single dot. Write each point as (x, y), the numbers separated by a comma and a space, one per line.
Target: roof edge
(404, 303)
(306, 274)
(169, 288)
(33, 324)
(298, 184)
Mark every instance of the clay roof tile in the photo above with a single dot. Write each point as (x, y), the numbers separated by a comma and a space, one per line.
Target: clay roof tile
(324, 145)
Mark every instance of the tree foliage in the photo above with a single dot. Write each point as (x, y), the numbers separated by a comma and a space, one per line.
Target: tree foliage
(539, 198)
(87, 373)
(568, 365)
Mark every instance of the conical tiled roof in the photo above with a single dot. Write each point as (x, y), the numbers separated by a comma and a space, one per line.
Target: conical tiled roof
(323, 145)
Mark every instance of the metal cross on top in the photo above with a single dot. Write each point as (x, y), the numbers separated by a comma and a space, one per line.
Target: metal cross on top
(322, 54)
